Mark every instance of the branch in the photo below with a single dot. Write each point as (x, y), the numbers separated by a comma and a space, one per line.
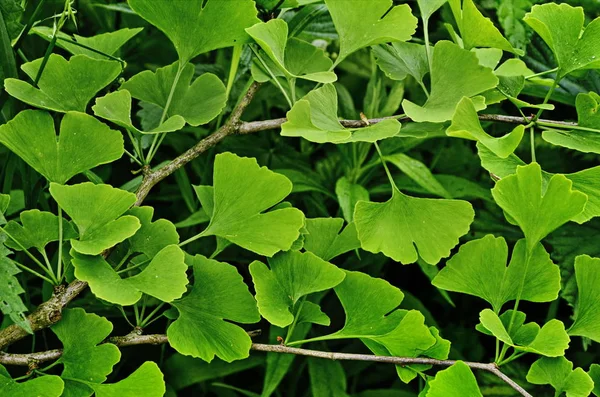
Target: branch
(134, 338)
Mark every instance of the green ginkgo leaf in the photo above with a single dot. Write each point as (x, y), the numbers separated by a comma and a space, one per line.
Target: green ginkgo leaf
(290, 276)
(585, 181)
(348, 194)
(219, 293)
(64, 85)
(314, 118)
(479, 269)
(428, 7)
(84, 357)
(363, 23)
(456, 381)
(147, 381)
(538, 209)
(242, 192)
(559, 373)
(561, 27)
(198, 102)
(11, 303)
(551, 340)
(295, 58)
(96, 211)
(587, 310)
(477, 30)
(400, 59)
(193, 26)
(37, 229)
(584, 141)
(43, 386)
(418, 172)
(465, 124)
(164, 278)
(116, 107)
(404, 228)
(594, 373)
(104, 43)
(326, 239)
(152, 237)
(83, 143)
(455, 73)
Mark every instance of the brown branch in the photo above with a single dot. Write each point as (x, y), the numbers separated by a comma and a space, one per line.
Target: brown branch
(135, 338)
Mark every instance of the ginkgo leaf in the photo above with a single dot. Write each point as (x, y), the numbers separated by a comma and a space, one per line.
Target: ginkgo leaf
(586, 181)
(465, 124)
(456, 381)
(198, 102)
(104, 43)
(147, 381)
(193, 26)
(37, 229)
(219, 294)
(327, 378)
(314, 118)
(45, 386)
(561, 27)
(164, 278)
(479, 269)
(428, 7)
(477, 30)
(11, 303)
(348, 194)
(455, 73)
(96, 211)
(295, 58)
(538, 209)
(64, 85)
(418, 172)
(584, 141)
(594, 373)
(325, 240)
(404, 228)
(551, 340)
(398, 60)
(242, 191)
(116, 107)
(84, 357)
(363, 23)
(290, 276)
(83, 143)
(559, 373)
(587, 309)
(152, 237)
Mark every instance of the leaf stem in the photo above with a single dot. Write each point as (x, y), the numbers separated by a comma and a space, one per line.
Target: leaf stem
(532, 142)
(27, 269)
(30, 255)
(273, 78)
(59, 265)
(545, 72)
(290, 331)
(427, 46)
(546, 98)
(148, 319)
(387, 171)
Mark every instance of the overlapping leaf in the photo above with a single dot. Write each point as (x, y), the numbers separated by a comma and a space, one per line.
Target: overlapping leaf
(587, 310)
(465, 124)
(295, 58)
(476, 30)
(11, 304)
(479, 269)
(146, 381)
(116, 107)
(290, 276)
(456, 73)
(400, 59)
(64, 85)
(561, 27)
(404, 228)
(97, 210)
(559, 373)
(84, 358)
(152, 237)
(314, 118)
(45, 386)
(198, 102)
(104, 43)
(325, 240)
(219, 294)
(83, 143)
(164, 278)
(538, 209)
(348, 194)
(37, 229)
(551, 340)
(363, 23)
(242, 192)
(456, 381)
(195, 27)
